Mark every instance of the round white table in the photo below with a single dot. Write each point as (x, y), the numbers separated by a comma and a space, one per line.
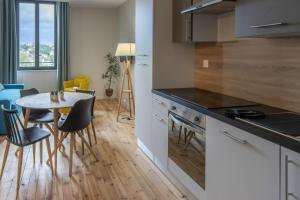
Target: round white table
(42, 101)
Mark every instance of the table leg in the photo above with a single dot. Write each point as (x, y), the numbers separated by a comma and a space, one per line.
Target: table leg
(55, 130)
(26, 120)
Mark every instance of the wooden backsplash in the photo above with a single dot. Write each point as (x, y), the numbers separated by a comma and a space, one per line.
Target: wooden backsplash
(262, 70)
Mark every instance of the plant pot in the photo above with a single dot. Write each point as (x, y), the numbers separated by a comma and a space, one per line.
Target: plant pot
(109, 92)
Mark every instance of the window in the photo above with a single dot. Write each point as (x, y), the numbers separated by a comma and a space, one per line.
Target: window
(36, 25)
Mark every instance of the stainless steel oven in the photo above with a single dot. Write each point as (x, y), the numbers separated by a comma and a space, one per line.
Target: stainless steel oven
(186, 141)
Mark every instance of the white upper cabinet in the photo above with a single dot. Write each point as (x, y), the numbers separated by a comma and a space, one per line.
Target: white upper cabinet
(144, 28)
(239, 165)
(290, 175)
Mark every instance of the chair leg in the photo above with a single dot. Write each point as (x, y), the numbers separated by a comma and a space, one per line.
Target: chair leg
(49, 153)
(180, 132)
(58, 145)
(41, 147)
(189, 138)
(75, 142)
(71, 153)
(94, 131)
(33, 153)
(19, 168)
(41, 151)
(89, 135)
(88, 146)
(82, 143)
(4, 158)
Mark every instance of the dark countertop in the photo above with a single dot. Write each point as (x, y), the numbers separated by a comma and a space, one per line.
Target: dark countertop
(217, 112)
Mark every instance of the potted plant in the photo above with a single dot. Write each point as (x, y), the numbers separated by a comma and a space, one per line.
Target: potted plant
(112, 73)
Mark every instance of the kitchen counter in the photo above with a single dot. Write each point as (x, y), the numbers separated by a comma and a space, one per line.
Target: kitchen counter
(212, 104)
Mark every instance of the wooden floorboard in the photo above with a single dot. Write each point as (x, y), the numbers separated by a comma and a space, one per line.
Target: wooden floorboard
(122, 172)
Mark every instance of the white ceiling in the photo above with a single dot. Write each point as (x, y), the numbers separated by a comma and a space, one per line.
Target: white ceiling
(97, 3)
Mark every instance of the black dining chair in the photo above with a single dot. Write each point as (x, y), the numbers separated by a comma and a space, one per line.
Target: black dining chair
(78, 120)
(38, 117)
(91, 92)
(21, 137)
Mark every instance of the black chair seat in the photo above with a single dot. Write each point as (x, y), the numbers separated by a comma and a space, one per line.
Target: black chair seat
(45, 117)
(31, 135)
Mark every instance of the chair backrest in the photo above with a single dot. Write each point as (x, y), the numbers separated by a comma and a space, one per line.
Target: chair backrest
(29, 92)
(90, 92)
(80, 116)
(13, 124)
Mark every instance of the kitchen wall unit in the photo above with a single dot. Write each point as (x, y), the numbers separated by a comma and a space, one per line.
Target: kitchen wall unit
(290, 174)
(200, 27)
(240, 165)
(267, 18)
(182, 24)
(260, 70)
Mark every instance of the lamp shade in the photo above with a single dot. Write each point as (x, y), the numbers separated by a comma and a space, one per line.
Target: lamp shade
(125, 49)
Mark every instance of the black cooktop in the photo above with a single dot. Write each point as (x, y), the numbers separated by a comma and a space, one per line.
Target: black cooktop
(284, 123)
(207, 99)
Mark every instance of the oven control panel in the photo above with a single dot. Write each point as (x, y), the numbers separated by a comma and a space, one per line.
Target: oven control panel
(188, 114)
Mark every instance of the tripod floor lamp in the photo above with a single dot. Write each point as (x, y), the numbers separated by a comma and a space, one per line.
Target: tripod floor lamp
(126, 51)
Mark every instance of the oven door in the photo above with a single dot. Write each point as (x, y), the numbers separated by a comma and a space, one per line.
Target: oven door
(186, 147)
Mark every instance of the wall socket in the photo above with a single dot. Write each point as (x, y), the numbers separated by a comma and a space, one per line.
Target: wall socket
(205, 63)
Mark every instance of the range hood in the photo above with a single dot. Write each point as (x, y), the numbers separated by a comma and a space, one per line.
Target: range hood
(211, 7)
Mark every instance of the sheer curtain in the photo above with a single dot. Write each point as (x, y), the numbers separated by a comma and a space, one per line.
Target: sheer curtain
(8, 42)
(62, 11)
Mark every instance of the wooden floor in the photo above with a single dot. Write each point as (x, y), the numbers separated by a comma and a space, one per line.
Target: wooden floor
(122, 172)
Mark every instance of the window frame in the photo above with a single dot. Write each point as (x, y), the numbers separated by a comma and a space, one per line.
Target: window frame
(37, 35)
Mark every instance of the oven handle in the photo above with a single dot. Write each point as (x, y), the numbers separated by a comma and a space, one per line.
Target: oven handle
(184, 123)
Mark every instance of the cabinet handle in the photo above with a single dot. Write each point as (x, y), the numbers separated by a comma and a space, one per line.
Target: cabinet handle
(143, 64)
(269, 25)
(287, 194)
(159, 102)
(159, 119)
(234, 138)
(142, 55)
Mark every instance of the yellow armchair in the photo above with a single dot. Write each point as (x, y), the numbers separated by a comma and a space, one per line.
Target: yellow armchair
(79, 82)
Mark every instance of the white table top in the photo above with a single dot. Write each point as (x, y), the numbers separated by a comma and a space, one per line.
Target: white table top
(42, 100)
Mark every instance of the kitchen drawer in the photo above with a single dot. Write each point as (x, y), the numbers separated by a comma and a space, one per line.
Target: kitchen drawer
(159, 136)
(267, 18)
(160, 105)
(239, 165)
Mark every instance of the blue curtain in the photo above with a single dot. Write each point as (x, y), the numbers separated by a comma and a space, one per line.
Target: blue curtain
(62, 42)
(8, 42)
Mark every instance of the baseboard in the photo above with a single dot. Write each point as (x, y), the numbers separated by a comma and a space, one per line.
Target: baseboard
(147, 151)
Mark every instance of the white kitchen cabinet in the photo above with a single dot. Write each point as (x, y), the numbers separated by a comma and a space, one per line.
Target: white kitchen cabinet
(158, 63)
(239, 165)
(143, 74)
(290, 175)
(160, 140)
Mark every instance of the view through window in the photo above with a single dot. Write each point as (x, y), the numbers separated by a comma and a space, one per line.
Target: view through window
(37, 35)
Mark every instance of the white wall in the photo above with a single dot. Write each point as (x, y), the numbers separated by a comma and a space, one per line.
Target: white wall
(44, 81)
(126, 22)
(93, 33)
